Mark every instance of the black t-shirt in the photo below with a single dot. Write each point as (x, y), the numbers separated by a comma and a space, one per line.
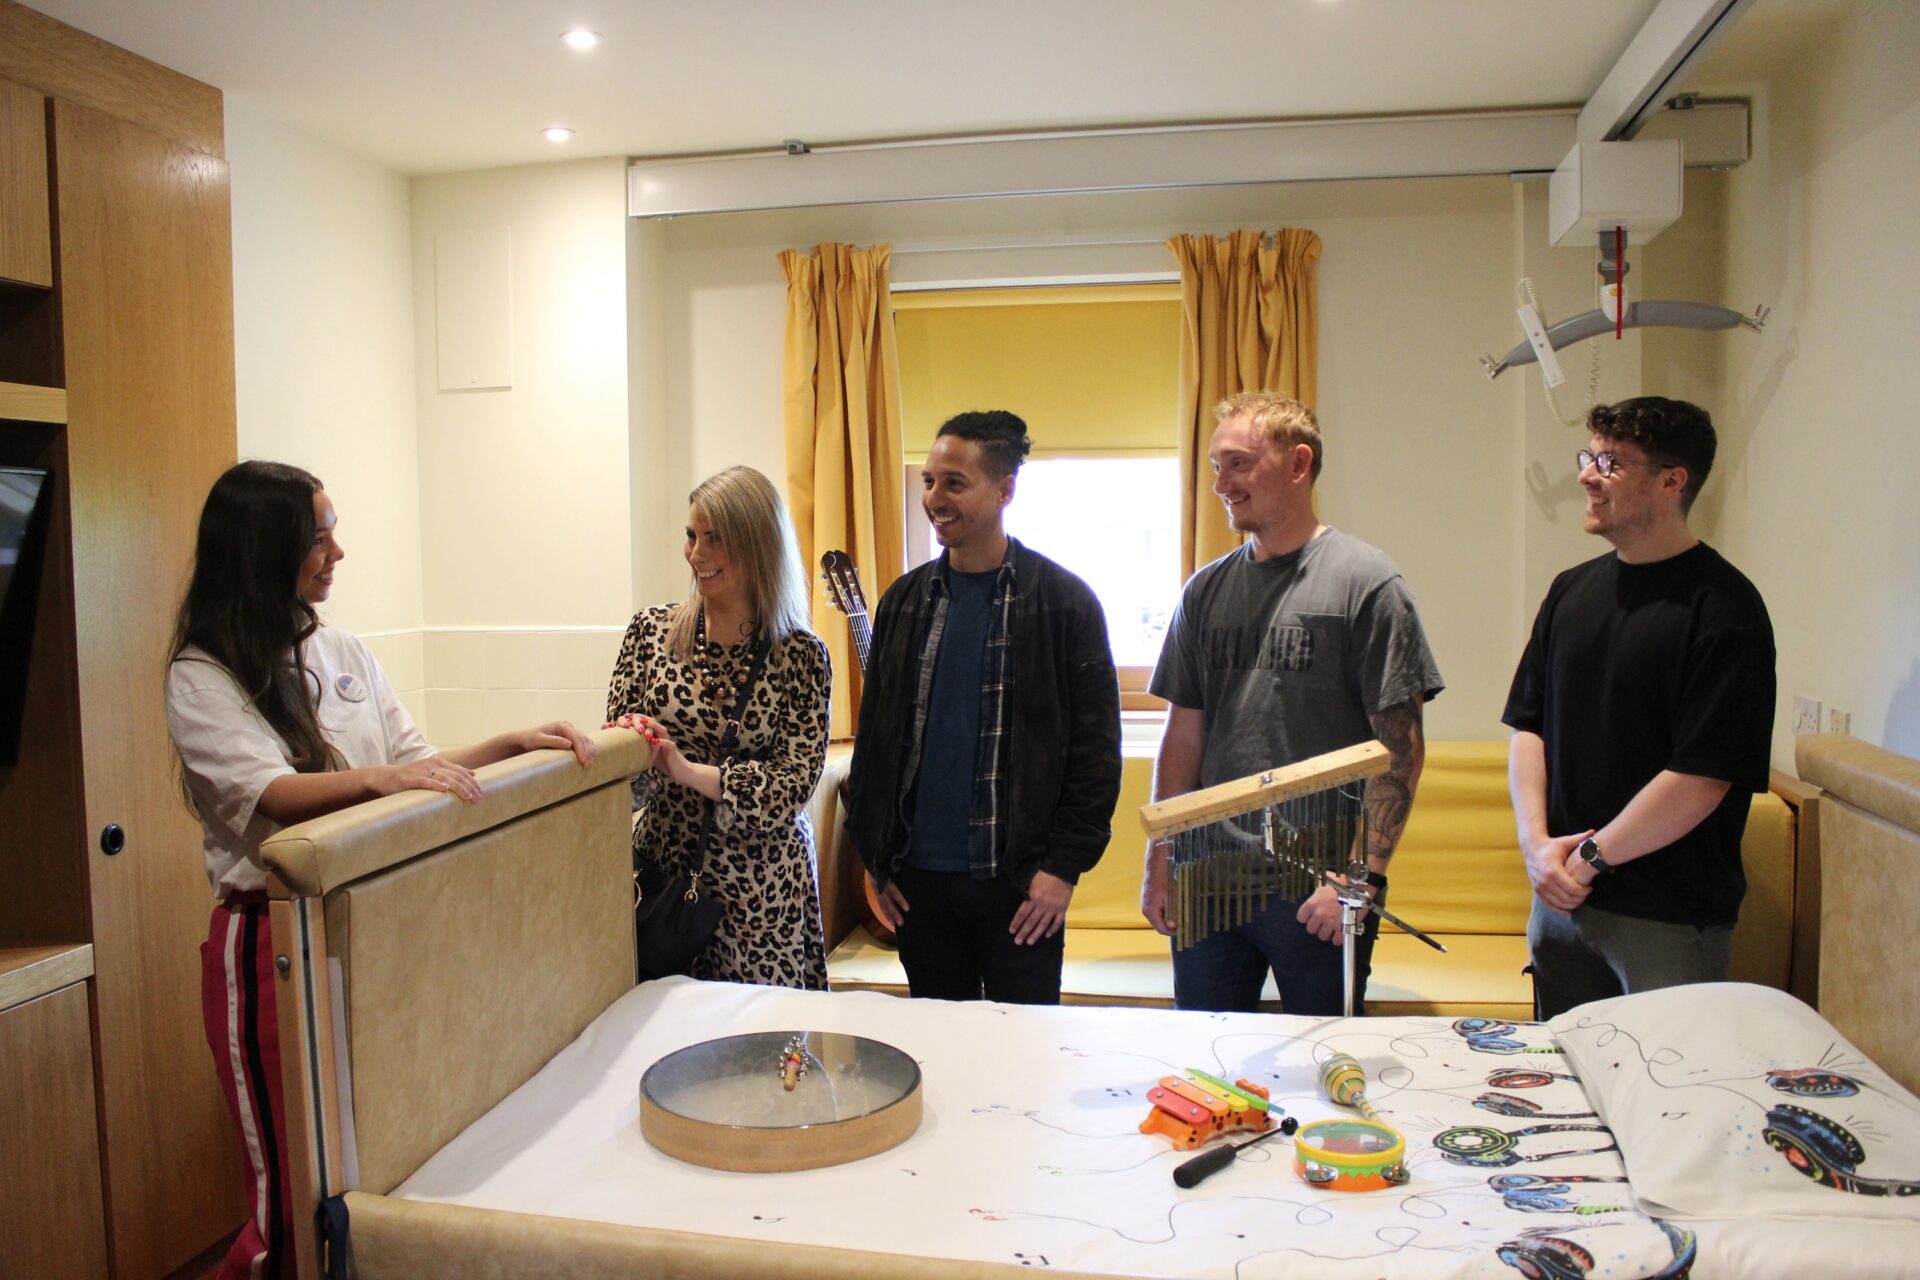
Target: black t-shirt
(1637, 668)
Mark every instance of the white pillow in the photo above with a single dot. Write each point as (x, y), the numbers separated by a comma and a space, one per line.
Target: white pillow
(1735, 1100)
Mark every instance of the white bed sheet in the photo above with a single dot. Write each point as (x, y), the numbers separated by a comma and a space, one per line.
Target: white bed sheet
(1029, 1151)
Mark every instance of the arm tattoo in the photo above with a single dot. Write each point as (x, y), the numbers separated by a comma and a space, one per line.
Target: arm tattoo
(1389, 796)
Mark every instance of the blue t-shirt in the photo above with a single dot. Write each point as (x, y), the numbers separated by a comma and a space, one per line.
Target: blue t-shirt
(949, 754)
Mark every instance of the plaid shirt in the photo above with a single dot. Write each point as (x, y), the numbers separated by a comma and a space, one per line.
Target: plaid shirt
(986, 825)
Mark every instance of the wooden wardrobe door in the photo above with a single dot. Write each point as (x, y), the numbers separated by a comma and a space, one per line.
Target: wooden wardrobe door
(26, 254)
(50, 1178)
(144, 251)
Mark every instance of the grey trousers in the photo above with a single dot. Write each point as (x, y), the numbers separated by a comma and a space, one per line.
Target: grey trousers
(1594, 954)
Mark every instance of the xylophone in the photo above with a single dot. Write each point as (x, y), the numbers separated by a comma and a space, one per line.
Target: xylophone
(1192, 1107)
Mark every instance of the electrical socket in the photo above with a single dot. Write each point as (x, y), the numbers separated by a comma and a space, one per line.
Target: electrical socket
(1839, 721)
(1806, 714)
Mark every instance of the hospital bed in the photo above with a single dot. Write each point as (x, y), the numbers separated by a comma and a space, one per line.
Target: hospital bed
(464, 1046)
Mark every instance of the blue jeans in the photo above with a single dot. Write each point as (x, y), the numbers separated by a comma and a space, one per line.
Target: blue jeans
(1224, 972)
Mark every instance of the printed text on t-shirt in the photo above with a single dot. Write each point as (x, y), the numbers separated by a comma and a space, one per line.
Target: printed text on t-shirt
(1284, 646)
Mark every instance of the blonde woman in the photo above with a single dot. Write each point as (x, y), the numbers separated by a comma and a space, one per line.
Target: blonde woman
(681, 671)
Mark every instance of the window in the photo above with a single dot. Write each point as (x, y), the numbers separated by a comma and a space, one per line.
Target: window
(1109, 520)
(1094, 371)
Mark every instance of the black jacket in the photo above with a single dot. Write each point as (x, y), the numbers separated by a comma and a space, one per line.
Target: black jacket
(1063, 725)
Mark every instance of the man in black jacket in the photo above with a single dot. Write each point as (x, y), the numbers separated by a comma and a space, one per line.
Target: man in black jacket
(987, 764)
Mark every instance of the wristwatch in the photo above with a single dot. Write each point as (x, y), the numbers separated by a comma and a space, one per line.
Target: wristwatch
(1589, 851)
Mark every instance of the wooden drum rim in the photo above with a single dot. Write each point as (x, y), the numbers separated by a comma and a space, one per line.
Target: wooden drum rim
(747, 1148)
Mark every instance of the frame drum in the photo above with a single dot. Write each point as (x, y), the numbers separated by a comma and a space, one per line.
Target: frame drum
(725, 1103)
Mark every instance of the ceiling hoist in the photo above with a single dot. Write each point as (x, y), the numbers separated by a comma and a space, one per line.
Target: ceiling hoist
(1605, 190)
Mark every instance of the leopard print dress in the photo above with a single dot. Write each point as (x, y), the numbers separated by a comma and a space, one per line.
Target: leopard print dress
(760, 862)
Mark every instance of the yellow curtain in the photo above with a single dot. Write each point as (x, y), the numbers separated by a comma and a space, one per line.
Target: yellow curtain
(1251, 324)
(842, 383)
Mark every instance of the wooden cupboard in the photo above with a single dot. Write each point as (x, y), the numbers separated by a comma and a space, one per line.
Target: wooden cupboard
(50, 1179)
(116, 370)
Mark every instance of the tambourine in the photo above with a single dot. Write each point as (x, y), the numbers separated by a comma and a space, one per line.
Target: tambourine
(1350, 1155)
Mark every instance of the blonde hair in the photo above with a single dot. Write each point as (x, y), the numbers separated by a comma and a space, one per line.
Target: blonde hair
(1279, 420)
(751, 522)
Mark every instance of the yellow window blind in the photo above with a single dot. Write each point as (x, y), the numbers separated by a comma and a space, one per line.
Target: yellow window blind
(1092, 370)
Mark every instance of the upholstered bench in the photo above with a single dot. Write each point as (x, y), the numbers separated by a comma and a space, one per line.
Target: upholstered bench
(1458, 875)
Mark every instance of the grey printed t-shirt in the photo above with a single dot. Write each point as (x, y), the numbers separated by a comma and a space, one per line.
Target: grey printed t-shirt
(1286, 658)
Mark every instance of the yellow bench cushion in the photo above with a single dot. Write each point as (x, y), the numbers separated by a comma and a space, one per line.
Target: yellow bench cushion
(1103, 966)
(1479, 977)
(1458, 875)
(1458, 869)
(1108, 897)
(1763, 940)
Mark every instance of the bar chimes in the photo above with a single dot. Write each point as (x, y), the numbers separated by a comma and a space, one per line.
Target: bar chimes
(1270, 835)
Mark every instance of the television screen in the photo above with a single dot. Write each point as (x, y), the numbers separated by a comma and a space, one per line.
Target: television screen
(25, 497)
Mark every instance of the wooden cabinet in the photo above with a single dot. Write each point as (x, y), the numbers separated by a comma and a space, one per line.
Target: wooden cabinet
(26, 253)
(136, 337)
(146, 299)
(29, 348)
(50, 1211)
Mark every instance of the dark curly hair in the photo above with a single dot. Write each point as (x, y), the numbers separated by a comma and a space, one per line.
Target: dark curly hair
(1672, 432)
(1002, 438)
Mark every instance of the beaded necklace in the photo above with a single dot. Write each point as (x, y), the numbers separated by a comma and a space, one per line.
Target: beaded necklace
(713, 676)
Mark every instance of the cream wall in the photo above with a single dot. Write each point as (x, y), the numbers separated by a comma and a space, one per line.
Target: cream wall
(656, 459)
(323, 361)
(1544, 475)
(648, 356)
(524, 492)
(487, 532)
(1817, 496)
(1467, 484)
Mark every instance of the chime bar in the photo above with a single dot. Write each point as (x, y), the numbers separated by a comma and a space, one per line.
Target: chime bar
(1260, 790)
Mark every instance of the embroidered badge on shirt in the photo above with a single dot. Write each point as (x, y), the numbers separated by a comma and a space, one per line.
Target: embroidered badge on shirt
(351, 688)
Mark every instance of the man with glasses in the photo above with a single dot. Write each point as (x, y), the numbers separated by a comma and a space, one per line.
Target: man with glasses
(1642, 717)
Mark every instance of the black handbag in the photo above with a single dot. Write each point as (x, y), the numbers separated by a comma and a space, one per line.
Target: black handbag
(672, 920)
(672, 923)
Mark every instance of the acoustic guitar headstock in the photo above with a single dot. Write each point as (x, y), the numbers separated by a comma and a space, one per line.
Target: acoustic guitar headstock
(843, 584)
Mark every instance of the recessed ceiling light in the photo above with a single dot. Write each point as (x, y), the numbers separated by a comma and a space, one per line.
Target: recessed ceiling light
(580, 39)
(556, 134)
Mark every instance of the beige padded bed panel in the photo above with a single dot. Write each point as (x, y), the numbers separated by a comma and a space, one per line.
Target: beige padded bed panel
(468, 968)
(1869, 896)
(1869, 908)
(409, 1239)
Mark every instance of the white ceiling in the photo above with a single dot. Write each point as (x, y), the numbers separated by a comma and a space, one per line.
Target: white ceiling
(438, 85)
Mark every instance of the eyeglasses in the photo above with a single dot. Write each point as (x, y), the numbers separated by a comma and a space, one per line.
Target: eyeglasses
(1607, 463)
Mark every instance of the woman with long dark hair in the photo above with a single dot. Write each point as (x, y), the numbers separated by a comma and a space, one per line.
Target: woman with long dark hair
(734, 810)
(278, 718)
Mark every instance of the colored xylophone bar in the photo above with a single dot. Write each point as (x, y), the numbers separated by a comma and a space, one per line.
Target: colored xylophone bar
(1193, 1107)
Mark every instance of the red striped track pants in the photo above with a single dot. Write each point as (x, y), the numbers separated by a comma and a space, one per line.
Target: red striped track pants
(237, 1003)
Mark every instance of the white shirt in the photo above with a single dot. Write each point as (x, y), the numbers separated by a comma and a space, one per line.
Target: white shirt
(230, 754)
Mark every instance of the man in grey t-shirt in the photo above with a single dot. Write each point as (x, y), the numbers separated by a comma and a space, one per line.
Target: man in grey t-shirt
(1303, 641)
